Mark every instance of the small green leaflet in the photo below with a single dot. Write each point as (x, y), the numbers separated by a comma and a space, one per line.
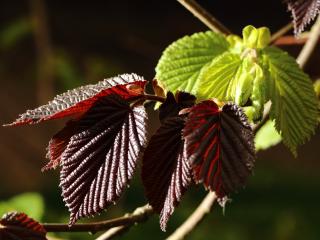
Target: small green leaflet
(230, 78)
(256, 37)
(255, 111)
(180, 65)
(294, 103)
(267, 136)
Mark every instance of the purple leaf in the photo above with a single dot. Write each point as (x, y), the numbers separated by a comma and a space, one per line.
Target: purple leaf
(303, 12)
(220, 146)
(79, 100)
(18, 226)
(165, 172)
(58, 144)
(174, 104)
(101, 156)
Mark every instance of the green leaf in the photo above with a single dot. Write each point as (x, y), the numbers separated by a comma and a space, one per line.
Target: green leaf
(267, 136)
(294, 103)
(30, 203)
(180, 65)
(236, 44)
(255, 111)
(228, 78)
(218, 80)
(256, 37)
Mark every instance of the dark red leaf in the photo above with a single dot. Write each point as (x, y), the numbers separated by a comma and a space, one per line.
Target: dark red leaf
(79, 100)
(58, 144)
(303, 12)
(220, 146)
(165, 172)
(101, 156)
(18, 226)
(174, 104)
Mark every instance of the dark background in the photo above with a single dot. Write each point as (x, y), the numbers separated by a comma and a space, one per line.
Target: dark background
(71, 43)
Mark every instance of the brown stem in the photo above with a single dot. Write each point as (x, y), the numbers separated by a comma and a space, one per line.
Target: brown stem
(154, 98)
(204, 16)
(141, 214)
(114, 232)
(310, 45)
(195, 218)
(282, 31)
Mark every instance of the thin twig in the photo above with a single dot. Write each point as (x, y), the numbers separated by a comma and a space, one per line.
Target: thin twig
(114, 232)
(291, 40)
(282, 31)
(154, 98)
(141, 214)
(195, 218)
(204, 16)
(310, 45)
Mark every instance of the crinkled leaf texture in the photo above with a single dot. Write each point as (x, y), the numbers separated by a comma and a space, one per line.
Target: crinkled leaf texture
(219, 79)
(180, 65)
(99, 147)
(166, 173)
(18, 226)
(101, 155)
(58, 144)
(303, 12)
(79, 100)
(220, 146)
(294, 102)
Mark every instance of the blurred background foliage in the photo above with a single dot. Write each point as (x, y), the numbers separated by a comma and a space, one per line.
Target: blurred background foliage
(47, 47)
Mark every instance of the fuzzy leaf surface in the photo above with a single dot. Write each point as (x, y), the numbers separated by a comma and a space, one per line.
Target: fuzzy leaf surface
(294, 102)
(303, 12)
(220, 146)
(18, 226)
(180, 65)
(166, 173)
(101, 155)
(77, 101)
(227, 78)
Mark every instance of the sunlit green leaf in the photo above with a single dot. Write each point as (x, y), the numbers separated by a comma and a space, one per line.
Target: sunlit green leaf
(227, 78)
(254, 112)
(180, 65)
(256, 37)
(267, 136)
(294, 103)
